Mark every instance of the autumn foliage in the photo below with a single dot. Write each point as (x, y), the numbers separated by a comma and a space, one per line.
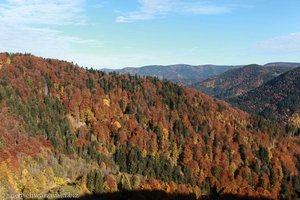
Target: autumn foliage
(136, 133)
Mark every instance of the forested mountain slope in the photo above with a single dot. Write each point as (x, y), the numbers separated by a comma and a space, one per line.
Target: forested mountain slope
(236, 82)
(278, 99)
(65, 128)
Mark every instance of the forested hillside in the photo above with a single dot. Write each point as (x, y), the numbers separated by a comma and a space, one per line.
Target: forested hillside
(65, 128)
(236, 82)
(278, 99)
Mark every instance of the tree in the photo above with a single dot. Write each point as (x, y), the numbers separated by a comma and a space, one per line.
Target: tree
(263, 154)
(242, 151)
(98, 188)
(94, 182)
(132, 162)
(90, 181)
(272, 176)
(120, 158)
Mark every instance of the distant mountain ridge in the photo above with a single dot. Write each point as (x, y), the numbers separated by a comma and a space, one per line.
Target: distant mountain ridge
(236, 82)
(179, 73)
(191, 74)
(283, 64)
(278, 99)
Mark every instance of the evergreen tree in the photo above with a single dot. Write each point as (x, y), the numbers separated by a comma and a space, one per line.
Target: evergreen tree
(98, 187)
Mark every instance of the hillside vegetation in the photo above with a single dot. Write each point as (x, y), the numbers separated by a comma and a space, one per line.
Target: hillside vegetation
(236, 82)
(278, 99)
(64, 128)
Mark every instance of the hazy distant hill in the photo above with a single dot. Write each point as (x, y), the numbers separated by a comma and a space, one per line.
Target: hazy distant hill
(283, 64)
(278, 99)
(236, 82)
(181, 73)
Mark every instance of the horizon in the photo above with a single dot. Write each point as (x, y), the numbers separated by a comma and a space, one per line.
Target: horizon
(153, 65)
(118, 34)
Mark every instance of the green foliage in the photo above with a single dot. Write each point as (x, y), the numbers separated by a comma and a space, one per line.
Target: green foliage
(2, 144)
(272, 176)
(242, 151)
(159, 136)
(90, 84)
(263, 154)
(42, 117)
(221, 108)
(95, 182)
(121, 104)
(157, 167)
(124, 184)
(266, 126)
(216, 172)
(172, 94)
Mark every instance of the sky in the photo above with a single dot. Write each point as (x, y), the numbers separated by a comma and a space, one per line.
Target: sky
(133, 33)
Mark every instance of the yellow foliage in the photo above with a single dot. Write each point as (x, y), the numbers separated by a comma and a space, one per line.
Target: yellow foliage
(30, 185)
(233, 167)
(126, 182)
(7, 179)
(168, 188)
(2, 191)
(136, 181)
(6, 176)
(59, 181)
(246, 140)
(146, 186)
(106, 102)
(62, 89)
(59, 88)
(202, 174)
(197, 192)
(8, 61)
(280, 176)
(243, 123)
(56, 86)
(144, 153)
(50, 172)
(270, 155)
(31, 179)
(117, 125)
(295, 120)
(165, 133)
(175, 152)
(87, 115)
(206, 157)
(220, 117)
(24, 172)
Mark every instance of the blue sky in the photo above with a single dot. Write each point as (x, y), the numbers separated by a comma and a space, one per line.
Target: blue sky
(122, 33)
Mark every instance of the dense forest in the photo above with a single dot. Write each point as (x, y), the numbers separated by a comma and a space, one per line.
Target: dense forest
(236, 82)
(277, 99)
(69, 129)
